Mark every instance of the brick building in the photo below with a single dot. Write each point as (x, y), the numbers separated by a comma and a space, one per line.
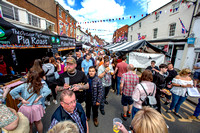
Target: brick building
(66, 23)
(120, 34)
(34, 15)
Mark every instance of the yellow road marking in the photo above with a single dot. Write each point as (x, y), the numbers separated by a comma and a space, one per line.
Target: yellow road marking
(172, 119)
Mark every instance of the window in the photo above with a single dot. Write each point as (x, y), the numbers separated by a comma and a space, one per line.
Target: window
(61, 27)
(74, 32)
(33, 20)
(131, 28)
(140, 24)
(70, 21)
(9, 11)
(49, 26)
(66, 17)
(172, 28)
(71, 29)
(155, 32)
(60, 12)
(157, 16)
(131, 38)
(175, 7)
(66, 28)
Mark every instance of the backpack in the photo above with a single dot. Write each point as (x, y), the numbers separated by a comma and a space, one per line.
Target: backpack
(150, 100)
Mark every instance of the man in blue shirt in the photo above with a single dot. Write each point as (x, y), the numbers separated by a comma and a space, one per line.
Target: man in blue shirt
(86, 64)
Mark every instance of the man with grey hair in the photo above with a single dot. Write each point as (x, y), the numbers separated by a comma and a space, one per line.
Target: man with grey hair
(69, 109)
(128, 82)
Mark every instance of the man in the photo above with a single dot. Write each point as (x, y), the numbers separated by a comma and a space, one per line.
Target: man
(77, 80)
(86, 64)
(79, 60)
(93, 95)
(3, 68)
(128, 82)
(196, 73)
(159, 80)
(104, 73)
(153, 67)
(121, 68)
(69, 109)
(171, 74)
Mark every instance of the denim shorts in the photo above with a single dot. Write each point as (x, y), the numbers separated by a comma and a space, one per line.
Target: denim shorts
(126, 100)
(196, 75)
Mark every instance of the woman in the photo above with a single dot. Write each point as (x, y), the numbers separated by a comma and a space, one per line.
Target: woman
(147, 120)
(139, 94)
(179, 91)
(65, 127)
(52, 86)
(61, 66)
(37, 66)
(30, 94)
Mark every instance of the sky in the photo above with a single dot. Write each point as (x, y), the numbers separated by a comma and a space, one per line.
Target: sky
(94, 10)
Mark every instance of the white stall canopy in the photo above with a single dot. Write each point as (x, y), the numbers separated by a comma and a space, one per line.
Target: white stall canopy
(143, 60)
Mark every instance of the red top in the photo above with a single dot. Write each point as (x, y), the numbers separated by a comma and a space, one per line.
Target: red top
(119, 60)
(130, 80)
(122, 68)
(3, 68)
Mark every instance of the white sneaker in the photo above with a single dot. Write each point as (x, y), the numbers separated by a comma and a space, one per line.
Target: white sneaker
(48, 103)
(55, 102)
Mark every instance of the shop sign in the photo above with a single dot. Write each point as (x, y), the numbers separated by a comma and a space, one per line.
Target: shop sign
(191, 41)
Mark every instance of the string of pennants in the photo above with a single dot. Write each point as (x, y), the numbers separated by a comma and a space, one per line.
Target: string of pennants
(134, 16)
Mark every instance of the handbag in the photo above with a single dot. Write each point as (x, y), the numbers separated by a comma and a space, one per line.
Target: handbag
(150, 100)
(28, 98)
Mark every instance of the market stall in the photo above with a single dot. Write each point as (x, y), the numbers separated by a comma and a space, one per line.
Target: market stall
(140, 53)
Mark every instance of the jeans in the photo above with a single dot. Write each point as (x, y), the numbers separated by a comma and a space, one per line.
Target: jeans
(118, 84)
(134, 111)
(89, 106)
(157, 96)
(197, 110)
(105, 93)
(176, 102)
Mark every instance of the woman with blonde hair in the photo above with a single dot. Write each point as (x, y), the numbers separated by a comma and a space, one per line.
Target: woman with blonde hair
(64, 127)
(179, 91)
(147, 120)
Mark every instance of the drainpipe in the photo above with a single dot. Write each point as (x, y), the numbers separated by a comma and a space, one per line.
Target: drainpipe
(192, 17)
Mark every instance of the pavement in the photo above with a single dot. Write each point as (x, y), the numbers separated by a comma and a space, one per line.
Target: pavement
(114, 109)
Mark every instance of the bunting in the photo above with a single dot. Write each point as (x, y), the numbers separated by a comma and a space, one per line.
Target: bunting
(131, 17)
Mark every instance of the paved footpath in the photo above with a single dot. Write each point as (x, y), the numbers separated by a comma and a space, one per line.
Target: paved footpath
(114, 109)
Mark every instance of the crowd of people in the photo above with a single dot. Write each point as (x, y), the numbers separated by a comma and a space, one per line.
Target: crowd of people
(84, 80)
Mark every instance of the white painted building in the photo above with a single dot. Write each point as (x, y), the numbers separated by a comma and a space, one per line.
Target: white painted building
(163, 28)
(195, 31)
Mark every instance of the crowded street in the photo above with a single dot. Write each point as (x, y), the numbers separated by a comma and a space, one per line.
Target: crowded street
(99, 66)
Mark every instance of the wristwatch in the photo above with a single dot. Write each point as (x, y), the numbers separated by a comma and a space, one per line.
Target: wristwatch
(180, 85)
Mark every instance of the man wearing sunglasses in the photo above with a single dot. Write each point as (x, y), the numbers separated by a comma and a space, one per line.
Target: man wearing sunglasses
(69, 109)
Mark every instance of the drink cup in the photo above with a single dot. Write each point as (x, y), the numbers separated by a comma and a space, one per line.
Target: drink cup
(66, 80)
(116, 124)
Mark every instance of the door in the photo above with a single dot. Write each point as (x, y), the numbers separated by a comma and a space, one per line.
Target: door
(179, 55)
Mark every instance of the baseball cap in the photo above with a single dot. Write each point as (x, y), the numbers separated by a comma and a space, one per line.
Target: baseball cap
(71, 60)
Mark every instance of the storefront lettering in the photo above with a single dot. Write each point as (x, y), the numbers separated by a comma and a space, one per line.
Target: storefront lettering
(38, 41)
(22, 40)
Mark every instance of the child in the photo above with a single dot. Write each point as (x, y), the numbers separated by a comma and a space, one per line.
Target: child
(93, 95)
